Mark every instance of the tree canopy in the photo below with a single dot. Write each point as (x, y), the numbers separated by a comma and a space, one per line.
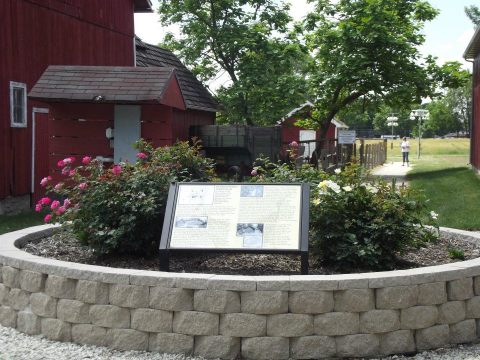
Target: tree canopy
(473, 13)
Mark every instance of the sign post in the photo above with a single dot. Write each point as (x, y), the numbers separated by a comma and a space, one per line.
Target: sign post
(236, 217)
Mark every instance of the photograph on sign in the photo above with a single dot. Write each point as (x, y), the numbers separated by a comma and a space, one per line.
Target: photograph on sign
(237, 216)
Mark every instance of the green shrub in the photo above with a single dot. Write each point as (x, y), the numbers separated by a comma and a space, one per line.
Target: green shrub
(121, 209)
(456, 253)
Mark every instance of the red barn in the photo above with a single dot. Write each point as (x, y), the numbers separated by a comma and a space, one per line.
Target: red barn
(472, 53)
(84, 37)
(291, 132)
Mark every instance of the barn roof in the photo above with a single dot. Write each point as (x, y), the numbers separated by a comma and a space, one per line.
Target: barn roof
(142, 6)
(473, 47)
(111, 83)
(196, 96)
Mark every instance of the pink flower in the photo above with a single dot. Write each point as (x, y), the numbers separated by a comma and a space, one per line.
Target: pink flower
(254, 172)
(141, 155)
(72, 159)
(45, 201)
(59, 186)
(45, 180)
(86, 160)
(66, 203)
(294, 144)
(69, 160)
(55, 204)
(117, 169)
(65, 171)
(71, 172)
(60, 210)
(38, 207)
(61, 163)
(82, 186)
(47, 218)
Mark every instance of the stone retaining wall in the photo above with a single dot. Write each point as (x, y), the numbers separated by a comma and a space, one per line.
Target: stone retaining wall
(255, 317)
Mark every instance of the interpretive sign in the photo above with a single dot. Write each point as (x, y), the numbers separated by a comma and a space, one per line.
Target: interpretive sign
(242, 217)
(346, 136)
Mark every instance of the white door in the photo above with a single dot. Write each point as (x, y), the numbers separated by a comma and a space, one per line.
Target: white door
(308, 135)
(126, 132)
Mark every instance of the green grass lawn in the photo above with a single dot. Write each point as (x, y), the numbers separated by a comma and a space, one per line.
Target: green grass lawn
(15, 222)
(446, 178)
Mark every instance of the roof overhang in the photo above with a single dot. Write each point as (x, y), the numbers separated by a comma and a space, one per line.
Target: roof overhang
(142, 6)
(473, 47)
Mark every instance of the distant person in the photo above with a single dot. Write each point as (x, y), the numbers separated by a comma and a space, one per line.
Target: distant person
(405, 146)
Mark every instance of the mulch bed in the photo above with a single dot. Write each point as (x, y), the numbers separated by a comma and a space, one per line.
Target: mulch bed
(64, 246)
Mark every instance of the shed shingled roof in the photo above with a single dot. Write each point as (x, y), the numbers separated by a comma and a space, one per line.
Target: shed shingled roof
(473, 47)
(114, 83)
(196, 96)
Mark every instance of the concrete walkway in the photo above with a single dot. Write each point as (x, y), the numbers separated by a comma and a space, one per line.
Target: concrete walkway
(391, 170)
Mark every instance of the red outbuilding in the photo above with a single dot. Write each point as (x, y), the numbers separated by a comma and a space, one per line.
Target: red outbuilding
(472, 53)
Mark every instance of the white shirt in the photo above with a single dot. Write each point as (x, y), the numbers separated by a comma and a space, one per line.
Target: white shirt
(405, 146)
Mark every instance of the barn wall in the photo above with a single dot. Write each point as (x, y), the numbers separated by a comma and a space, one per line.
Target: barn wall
(290, 132)
(157, 124)
(182, 120)
(38, 33)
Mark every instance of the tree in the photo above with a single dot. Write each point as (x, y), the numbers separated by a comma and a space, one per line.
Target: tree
(473, 13)
(247, 40)
(369, 48)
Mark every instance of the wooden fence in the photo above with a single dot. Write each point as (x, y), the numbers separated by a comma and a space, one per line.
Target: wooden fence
(329, 155)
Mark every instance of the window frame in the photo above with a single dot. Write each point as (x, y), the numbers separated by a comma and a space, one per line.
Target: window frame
(23, 86)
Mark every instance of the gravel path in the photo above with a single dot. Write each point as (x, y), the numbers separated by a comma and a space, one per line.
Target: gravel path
(17, 346)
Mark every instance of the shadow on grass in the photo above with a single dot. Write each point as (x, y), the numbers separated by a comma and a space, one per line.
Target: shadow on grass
(435, 174)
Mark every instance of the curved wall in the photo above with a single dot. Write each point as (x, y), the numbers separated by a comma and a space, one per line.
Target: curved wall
(255, 317)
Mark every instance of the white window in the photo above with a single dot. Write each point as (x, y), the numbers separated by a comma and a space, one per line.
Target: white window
(18, 104)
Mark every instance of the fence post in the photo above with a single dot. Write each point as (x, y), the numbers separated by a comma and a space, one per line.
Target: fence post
(385, 150)
(362, 152)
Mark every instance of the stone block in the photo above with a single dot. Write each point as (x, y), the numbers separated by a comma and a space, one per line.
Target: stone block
(195, 323)
(476, 285)
(32, 281)
(8, 317)
(264, 302)
(337, 323)
(89, 334)
(28, 323)
(130, 296)
(243, 325)
(358, 345)
(260, 348)
(463, 332)
(110, 316)
(354, 300)
(43, 305)
(397, 342)
(73, 311)
(379, 321)
(171, 299)
(432, 337)
(313, 347)
(310, 302)
(398, 297)
(4, 294)
(418, 317)
(223, 347)
(11, 277)
(473, 308)
(290, 325)
(432, 293)
(216, 301)
(451, 312)
(92, 292)
(18, 299)
(56, 330)
(461, 289)
(152, 320)
(171, 343)
(127, 339)
(60, 287)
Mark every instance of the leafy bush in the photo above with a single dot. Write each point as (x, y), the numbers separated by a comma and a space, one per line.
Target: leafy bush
(355, 223)
(121, 209)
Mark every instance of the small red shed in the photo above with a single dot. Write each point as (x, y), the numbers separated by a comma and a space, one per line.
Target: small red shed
(101, 111)
(472, 53)
(291, 132)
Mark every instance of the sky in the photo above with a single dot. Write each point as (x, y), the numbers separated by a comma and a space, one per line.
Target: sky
(446, 37)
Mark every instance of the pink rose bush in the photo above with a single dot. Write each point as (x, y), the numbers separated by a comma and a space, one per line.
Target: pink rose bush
(119, 208)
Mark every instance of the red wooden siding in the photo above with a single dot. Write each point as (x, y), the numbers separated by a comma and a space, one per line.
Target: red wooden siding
(38, 33)
(157, 124)
(475, 133)
(42, 157)
(172, 95)
(182, 120)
